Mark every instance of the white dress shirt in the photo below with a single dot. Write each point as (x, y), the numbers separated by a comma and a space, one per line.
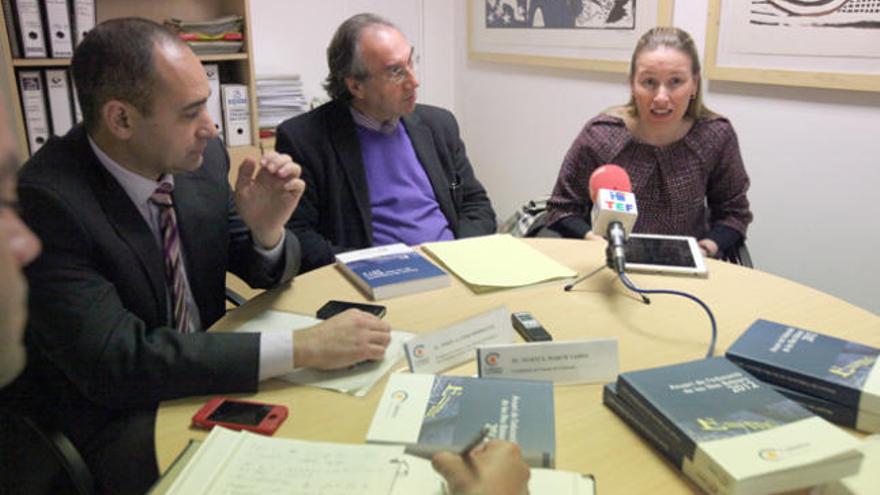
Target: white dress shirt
(276, 348)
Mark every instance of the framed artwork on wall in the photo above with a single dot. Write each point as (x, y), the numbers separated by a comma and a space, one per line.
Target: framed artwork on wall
(577, 34)
(810, 43)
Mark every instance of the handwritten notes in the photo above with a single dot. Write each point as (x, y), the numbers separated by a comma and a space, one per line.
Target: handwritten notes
(242, 463)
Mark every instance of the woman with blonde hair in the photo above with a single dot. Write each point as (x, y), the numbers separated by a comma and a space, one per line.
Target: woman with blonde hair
(683, 159)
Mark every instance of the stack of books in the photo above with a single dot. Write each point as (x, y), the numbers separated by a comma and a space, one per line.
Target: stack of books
(278, 99)
(730, 433)
(215, 36)
(835, 378)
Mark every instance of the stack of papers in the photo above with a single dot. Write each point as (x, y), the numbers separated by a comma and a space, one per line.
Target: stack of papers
(496, 262)
(278, 99)
(356, 380)
(213, 36)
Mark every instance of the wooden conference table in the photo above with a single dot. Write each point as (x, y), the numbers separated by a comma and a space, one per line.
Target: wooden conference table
(589, 437)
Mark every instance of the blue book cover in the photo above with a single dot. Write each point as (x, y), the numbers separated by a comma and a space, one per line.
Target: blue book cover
(389, 271)
(835, 412)
(820, 365)
(730, 433)
(832, 411)
(429, 413)
(647, 429)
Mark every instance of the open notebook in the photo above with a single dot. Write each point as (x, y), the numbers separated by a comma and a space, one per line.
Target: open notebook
(243, 463)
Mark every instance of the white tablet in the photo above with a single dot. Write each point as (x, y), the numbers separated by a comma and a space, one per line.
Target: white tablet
(679, 255)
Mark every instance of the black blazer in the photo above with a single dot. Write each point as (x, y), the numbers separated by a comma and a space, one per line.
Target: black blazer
(334, 214)
(98, 334)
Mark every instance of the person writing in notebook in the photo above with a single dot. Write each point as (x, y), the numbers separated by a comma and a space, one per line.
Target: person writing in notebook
(683, 159)
(492, 468)
(139, 226)
(379, 168)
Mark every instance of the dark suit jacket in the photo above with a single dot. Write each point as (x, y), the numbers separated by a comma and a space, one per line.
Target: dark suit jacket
(334, 214)
(99, 338)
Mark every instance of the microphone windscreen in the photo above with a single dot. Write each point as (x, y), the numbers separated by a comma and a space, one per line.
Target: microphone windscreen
(609, 176)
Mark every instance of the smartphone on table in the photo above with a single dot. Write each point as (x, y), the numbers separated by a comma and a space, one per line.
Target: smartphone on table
(237, 414)
(333, 308)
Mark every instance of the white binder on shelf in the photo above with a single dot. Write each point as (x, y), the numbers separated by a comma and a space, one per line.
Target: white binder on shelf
(58, 28)
(30, 25)
(236, 114)
(83, 19)
(11, 30)
(33, 104)
(214, 107)
(60, 108)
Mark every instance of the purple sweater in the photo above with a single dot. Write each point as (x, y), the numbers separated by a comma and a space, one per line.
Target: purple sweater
(695, 186)
(402, 201)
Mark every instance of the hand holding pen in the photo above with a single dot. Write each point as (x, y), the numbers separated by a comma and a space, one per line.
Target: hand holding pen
(491, 468)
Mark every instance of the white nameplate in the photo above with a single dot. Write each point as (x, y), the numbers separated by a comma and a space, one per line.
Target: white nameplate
(454, 345)
(560, 362)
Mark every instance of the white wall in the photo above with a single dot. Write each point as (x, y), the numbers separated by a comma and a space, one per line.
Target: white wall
(813, 155)
(291, 36)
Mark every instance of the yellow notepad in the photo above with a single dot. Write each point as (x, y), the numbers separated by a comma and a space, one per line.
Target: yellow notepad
(495, 262)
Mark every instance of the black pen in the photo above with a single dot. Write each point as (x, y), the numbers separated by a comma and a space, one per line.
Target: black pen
(478, 439)
(428, 451)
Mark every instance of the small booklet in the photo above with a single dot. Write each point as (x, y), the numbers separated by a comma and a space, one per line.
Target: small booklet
(388, 271)
(430, 413)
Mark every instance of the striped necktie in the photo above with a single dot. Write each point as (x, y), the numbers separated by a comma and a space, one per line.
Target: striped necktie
(175, 277)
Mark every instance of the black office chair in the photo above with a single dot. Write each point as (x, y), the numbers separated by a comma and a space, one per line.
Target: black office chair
(35, 461)
(739, 254)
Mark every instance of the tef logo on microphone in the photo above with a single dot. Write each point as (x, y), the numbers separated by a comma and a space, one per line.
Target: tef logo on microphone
(619, 201)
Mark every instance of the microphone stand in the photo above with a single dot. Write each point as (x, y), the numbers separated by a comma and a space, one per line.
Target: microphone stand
(582, 278)
(615, 259)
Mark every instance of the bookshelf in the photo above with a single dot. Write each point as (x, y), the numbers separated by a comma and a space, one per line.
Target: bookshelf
(234, 68)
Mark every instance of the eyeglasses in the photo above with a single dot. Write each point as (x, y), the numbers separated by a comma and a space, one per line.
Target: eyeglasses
(397, 74)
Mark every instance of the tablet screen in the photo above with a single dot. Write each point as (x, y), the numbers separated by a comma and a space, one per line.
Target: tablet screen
(657, 251)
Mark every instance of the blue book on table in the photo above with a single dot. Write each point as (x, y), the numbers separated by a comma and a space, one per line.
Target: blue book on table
(430, 413)
(387, 271)
(833, 411)
(808, 362)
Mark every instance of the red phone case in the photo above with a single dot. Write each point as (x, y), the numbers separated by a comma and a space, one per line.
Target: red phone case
(276, 415)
